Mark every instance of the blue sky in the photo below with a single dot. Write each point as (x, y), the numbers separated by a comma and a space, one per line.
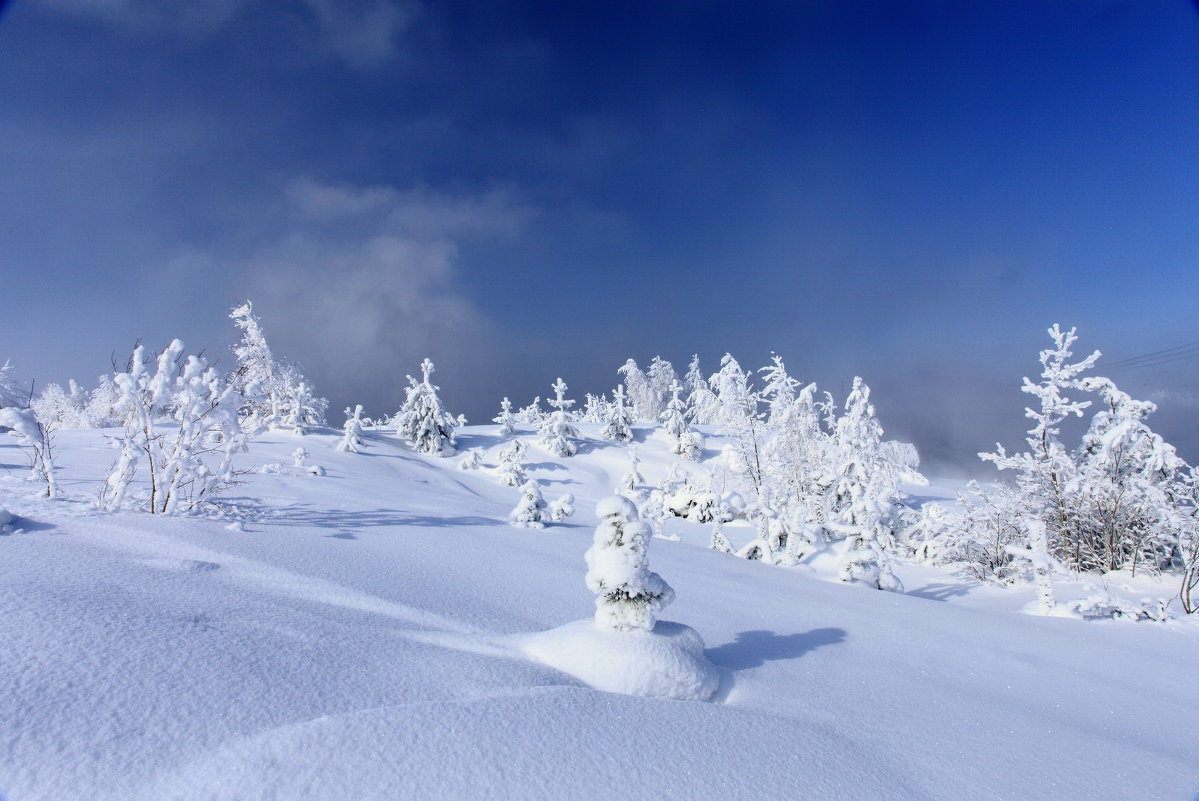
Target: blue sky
(909, 191)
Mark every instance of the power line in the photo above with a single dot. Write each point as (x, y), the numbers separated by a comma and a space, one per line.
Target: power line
(1156, 354)
(1181, 357)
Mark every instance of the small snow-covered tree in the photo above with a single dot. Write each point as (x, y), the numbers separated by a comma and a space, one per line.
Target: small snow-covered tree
(31, 433)
(299, 456)
(778, 389)
(596, 409)
(532, 415)
(423, 422)
(558, 435)
(628, 595)
(719, 541)
(562, 508)
(619, 425)
(511, 471)
(530, 511)
(683, 441)
(272, 393)
(351, 438)
(472, 460)
(632, 479)
(506, 419)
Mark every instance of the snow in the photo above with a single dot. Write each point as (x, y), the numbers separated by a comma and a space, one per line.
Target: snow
(667, 662)
(378, 634)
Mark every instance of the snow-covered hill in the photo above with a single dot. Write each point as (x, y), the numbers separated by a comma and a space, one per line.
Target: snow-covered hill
(357, 636)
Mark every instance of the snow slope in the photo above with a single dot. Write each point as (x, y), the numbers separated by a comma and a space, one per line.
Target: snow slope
(358, 636)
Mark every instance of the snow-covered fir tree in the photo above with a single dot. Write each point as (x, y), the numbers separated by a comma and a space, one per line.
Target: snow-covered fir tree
(558, 434)
(272, 393)
(631, 481)
(511, 471)
(628, 595)
(351, 437)
(859, 503)
(506, 420)
(596, 409)
(719, 541)
(683, 441)
(423, 421)
(619, 425)
(299, 456)
(778, 390)
(530, 511)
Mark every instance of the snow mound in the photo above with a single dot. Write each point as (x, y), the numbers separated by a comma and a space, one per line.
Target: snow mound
(667, 662)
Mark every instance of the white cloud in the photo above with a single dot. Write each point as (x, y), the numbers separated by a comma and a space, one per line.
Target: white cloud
(362, 33)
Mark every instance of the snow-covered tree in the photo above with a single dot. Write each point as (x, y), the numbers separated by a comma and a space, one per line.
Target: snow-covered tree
(703, 407)
(632, 479)
(628, 595)
(638, 393)
(719, 541)
(472, 460)
(11, 393)
(683, 441)
(532, 415)
(198, 414)
(562, 508)
(596, 409)
(351, 438)
(557, 434)
(511, 471)
(102, 402)
(619, 425)
(530, 511)
(423, 421)
(1044, 472)
(62, 409)
(778, 389)
(859, 503)
(272, 393)
(32, 434)
(660, 377)
(299, 456)
(506, 419)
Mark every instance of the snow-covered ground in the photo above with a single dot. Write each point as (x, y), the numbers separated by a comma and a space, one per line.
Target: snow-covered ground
(359, 635)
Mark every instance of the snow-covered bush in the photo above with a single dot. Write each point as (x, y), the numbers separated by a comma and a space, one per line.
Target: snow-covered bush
(422, 421)
(30, 433)
(562, 508)
(299, 456)
(557, 434)
(628, 595)
(632, 479)
(472, 460)
(531, 510)
(177, 415)
(60, 409)
(102, 404)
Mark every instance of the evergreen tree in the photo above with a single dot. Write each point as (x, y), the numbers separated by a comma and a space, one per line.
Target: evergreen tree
(351, 439)
(530, 511)
(558, 435)
(506, 419)
(11, 393)
(628, 595)
(683, 441)
(702, 404)
(427, 426)
(619, 425)
(660, 377)
(638, 393)
(511, 471)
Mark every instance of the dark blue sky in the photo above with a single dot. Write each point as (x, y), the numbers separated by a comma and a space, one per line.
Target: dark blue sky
(907, 191)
